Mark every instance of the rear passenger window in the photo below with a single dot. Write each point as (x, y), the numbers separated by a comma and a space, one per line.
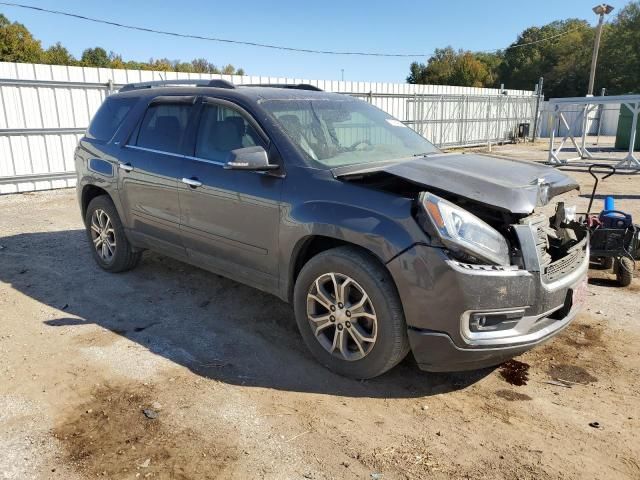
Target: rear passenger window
(163, 127)
(109, 117)
(221, 130)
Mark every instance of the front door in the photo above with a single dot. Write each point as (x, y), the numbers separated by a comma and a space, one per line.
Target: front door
(230, 218)
(149, 173)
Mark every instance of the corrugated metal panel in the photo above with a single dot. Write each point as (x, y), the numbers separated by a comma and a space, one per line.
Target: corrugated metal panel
(42, 121)
(603, 119)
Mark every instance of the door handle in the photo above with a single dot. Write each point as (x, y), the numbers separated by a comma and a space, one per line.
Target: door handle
(125, 166)
(192, 182)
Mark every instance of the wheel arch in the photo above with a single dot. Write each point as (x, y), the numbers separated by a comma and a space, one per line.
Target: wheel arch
(310, 246)
(376, 284)
(89, 192)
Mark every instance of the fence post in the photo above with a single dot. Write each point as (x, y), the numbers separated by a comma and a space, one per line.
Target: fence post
(487, 133)
(441, 120)
(498, 136)
(415, 112)
(601, 113)
(535, 119)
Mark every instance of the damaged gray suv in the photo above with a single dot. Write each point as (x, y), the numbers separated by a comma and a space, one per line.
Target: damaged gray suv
(382, 243)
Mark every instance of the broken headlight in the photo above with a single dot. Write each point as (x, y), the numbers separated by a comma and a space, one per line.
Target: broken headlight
(462, 231)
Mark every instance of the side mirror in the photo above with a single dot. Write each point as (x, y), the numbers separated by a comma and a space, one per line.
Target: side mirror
(249, 158)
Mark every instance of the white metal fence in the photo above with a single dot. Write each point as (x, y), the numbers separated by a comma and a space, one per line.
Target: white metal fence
(457, 120)
(602, 121)
(44, 109)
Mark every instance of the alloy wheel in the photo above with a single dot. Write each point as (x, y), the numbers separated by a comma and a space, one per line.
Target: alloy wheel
(341, 316)
(103, 235)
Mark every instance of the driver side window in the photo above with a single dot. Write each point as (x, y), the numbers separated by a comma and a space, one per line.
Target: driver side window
(221, 130)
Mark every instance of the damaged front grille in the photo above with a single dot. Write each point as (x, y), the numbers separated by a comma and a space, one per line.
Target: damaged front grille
(565, 265)
(542, 243)
(560, 250)
(539, 224)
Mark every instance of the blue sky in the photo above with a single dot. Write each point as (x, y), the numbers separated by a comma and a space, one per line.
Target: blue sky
(381, 26)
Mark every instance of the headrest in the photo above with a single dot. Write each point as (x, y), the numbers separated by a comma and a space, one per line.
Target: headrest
(167, 123)
(239, 124)
(225, 136)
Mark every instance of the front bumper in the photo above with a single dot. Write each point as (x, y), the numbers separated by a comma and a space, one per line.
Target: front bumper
(439, 295)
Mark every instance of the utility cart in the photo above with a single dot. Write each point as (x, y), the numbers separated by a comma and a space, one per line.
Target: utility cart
(615, 239)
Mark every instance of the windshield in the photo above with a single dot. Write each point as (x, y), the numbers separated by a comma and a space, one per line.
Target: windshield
(336, 133)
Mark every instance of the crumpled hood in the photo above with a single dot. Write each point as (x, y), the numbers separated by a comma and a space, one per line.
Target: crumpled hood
(511, 185)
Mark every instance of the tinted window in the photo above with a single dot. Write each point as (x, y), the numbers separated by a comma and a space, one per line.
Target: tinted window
(163, 127)
(221, 130)
(109, 117)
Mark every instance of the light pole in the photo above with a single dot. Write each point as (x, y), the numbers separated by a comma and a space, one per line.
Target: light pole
(601, 10)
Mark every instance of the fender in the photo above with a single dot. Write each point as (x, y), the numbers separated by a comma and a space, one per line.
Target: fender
(384, 236)
(88, 152)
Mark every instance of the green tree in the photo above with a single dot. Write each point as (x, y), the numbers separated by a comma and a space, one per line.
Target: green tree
(58, 55)
(182, 66)
(133, 65)
(17, 44)
(569, 74)
(619, 61)
(448, 67)
(161, 64)
(228, 70)
(95, 57)
(559, 51)
(562, 60)
(470, 72)
(438, 69)
(116, 61)
(202, 65)
(492, 62)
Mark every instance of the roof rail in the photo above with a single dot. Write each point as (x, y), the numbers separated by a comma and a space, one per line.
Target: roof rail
(217, 83)
(298, 86)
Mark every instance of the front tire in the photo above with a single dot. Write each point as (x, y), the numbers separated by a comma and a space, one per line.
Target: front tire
(349, 313)
(110, 247)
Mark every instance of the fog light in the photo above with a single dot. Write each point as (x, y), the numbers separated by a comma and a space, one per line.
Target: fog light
(493, 321)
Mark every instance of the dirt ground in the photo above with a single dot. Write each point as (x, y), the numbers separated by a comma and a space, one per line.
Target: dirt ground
(171, 372)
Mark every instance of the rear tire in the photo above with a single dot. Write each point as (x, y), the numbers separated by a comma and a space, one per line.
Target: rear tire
(607, 263)
(624, 271)
(349, 313)
(109, 245)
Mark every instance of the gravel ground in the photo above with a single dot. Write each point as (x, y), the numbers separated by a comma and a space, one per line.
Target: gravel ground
(168, 371)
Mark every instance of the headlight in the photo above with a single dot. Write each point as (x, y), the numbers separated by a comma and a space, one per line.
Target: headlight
(460, 230)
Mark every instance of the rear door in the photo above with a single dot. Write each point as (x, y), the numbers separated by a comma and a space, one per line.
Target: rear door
(230, 218)
(150, 170)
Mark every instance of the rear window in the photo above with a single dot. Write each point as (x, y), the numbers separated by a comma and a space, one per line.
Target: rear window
(163, 127)
(109, 117)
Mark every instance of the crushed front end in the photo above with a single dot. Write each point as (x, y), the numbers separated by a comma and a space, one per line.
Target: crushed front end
(466, 312)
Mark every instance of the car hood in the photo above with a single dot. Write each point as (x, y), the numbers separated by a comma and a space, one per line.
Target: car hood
(507, 184)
